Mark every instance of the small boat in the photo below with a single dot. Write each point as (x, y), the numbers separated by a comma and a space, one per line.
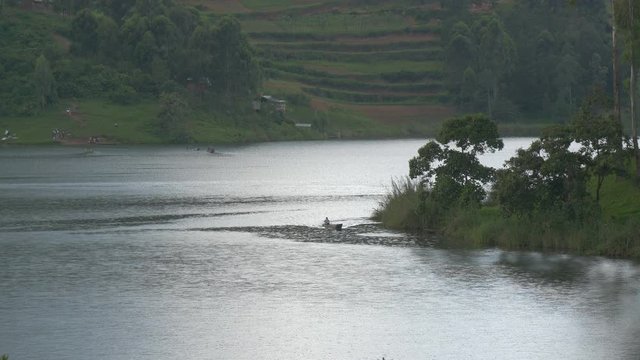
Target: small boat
(336, 227)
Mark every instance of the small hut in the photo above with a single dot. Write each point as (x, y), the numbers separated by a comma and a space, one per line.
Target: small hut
(278, 105)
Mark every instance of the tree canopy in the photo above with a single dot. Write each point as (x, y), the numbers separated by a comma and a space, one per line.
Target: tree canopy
(534, 58)
(449, 166)
(136, 47)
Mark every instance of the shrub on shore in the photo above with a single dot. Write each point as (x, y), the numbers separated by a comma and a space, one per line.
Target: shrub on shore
(399, 208)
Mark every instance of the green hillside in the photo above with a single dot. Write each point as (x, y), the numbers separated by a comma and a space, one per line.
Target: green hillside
(420, 61)
(379, 60)
(346, 69)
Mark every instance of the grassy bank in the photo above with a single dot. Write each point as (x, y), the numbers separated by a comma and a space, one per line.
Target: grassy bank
(614, 233)
(135, 124)
(125, 124)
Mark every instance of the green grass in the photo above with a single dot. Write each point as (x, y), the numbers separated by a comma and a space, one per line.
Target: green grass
(619, 198)
(415, 88)
(98, 118)
(133, 121)
(395, 77)
(365, 68)
(342, 45)
(373, 98)
(486, 227)
(244, 126)
(260, 25)
(350, 124)
(276, 5)
(329, 24)
(359, 56)
(93, 118)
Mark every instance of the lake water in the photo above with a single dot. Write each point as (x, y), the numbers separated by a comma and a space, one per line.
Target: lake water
(171, 253)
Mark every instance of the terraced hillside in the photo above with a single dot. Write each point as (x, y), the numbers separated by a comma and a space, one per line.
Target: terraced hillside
(349, 60)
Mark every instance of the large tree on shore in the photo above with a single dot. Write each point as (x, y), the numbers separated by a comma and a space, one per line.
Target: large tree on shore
(547, 178)
(449, 167)
(599, 134)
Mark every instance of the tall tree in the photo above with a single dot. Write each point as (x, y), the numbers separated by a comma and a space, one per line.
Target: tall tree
(599, 133)
(568, 72)
(172, 118)
(107, 37)
(117, 9)
(496, 59)
(460, 56)
(632, 86)
(84, 32)
(44, 82)
(450, 165)
(145, 51)
(614, 62)
(546, 177)
(238, 71)
(626, 13)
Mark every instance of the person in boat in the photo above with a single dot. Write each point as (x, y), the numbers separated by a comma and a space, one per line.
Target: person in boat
(326, 221)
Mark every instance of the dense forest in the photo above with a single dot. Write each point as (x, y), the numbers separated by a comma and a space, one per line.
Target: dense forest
(127, 49)
(533, 58)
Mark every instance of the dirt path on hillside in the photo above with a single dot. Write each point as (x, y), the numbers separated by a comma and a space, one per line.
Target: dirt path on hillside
(75, 115)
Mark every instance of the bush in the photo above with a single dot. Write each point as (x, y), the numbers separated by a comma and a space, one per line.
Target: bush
(399, 208)
(123, 95)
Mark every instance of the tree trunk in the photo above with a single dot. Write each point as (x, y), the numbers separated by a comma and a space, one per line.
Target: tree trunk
(634, 126)
(614, 48)
(632, 95)
(598, 187)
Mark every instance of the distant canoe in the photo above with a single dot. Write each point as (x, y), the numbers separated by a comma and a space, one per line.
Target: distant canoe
(337, 227)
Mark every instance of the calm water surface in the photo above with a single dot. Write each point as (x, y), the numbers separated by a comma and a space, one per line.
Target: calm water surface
(165, 253)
